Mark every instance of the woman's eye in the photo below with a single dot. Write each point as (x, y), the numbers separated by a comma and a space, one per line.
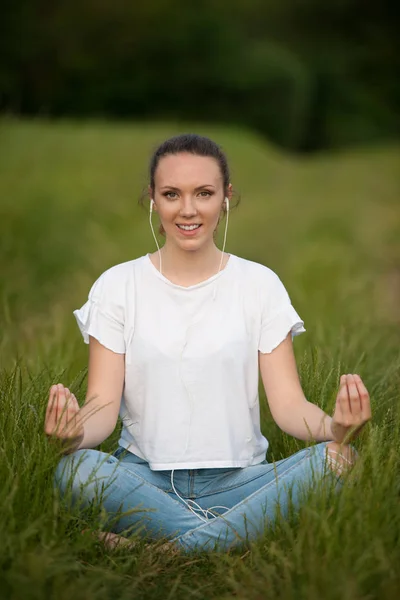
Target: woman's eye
(171, 195)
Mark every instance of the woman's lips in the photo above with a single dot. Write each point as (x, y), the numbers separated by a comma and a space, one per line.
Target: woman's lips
(188, 233)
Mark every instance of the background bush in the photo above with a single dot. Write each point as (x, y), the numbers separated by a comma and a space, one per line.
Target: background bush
(306, 75)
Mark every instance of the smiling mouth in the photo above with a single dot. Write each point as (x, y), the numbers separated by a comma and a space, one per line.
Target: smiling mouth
(189, 227)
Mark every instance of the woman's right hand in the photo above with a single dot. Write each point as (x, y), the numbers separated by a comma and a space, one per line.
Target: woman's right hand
(61, 420)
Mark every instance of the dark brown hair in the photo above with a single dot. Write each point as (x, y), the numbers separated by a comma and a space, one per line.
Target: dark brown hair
(195, 144)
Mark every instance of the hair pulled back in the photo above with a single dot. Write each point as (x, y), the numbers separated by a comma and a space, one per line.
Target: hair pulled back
(193, 144)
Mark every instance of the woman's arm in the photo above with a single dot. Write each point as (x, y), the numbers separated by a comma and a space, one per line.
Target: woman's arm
(106, 376)
(291, 411)
(90, 425)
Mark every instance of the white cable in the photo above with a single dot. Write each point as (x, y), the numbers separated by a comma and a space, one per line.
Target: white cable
(154, 235)
(199, 508)
(340, 454)
(223, 246)
(204, 512)
(186, 503)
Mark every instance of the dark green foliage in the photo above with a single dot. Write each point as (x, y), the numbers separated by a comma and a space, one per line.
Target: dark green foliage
(306, 75)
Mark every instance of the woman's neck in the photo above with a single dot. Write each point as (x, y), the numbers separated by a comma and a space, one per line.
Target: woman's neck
(189, 267)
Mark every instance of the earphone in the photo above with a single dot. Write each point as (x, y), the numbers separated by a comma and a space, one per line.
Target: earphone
(204, 513)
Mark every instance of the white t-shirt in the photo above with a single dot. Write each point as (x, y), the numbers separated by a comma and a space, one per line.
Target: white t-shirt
(190, 398)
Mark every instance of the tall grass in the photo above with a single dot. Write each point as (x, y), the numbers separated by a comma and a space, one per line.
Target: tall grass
(329, 226)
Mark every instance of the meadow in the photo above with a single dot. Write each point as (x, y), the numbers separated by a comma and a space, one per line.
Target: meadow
(328, 225)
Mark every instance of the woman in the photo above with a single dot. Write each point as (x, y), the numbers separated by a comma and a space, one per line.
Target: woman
(175, 348)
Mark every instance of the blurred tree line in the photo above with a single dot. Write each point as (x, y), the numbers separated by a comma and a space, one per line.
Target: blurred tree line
(307, 74)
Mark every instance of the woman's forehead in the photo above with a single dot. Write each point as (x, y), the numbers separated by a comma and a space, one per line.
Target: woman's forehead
(187, 167)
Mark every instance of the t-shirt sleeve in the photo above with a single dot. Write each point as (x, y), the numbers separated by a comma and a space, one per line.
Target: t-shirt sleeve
(102, 316)
(278, 317)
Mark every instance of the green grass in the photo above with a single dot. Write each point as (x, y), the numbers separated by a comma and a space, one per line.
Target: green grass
(328, 225)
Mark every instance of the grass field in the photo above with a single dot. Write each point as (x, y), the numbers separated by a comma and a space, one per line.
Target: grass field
(328, 225)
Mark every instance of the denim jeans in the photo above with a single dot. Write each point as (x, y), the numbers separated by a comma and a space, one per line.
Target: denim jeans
(242, 500)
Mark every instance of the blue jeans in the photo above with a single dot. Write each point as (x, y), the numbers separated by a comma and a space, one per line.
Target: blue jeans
(242, 500)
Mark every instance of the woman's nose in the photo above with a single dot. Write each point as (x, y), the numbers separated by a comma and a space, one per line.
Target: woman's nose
(188, 207)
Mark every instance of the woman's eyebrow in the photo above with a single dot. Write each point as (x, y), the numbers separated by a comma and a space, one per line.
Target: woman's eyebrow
(171, 187)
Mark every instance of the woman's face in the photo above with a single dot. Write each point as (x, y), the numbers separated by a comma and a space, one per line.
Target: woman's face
(188, 191)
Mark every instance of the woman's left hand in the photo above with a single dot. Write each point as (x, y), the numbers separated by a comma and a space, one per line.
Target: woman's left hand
(352, 409)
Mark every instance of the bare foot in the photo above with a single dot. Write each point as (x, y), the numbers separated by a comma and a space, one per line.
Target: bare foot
(168, 548)
(113, 541)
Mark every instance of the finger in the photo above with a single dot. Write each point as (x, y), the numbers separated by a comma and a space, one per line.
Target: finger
(60, 406)
(74, 403)
(344, 402)
(342, 387)
(354, 397)
(338, 405)
(73, 412)
(364, 398)
(71, 408)
(67, 411)
(68, 400)
(51, 410)
(50, 403)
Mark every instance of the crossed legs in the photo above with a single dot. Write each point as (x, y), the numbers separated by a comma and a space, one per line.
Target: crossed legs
(132, 486)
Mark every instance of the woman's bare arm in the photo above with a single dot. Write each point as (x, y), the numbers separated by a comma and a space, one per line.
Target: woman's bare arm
(90, 425)
(291, 411)
(100, 411)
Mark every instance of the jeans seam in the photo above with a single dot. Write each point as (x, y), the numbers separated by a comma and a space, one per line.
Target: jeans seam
(192, 474)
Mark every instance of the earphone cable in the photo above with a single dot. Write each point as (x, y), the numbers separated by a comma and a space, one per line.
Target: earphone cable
(193, 510)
